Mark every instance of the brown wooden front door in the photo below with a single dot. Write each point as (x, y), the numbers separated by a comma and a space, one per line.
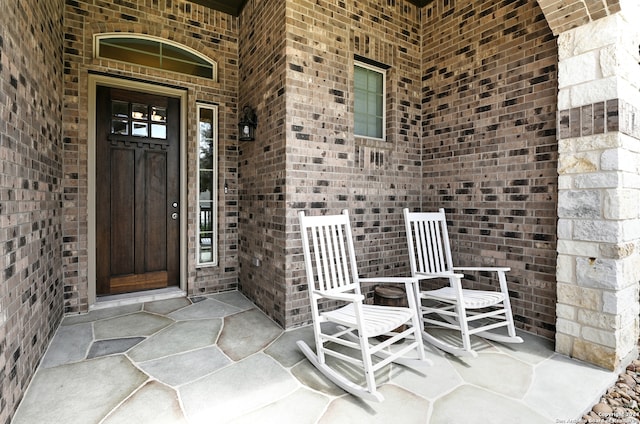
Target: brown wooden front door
(137, 191)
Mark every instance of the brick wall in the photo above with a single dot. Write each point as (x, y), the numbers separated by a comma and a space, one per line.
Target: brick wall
(261, 166)
(212, 33)
(30, 193)
(306, 156)
(568, 14)
(490, 149)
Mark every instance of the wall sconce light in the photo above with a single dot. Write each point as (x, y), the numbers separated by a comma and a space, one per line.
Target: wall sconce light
(247, 125)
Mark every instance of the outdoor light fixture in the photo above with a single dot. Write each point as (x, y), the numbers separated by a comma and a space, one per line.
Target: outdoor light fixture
(247, 125)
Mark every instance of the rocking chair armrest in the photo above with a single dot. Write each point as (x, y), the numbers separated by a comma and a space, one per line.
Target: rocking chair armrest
(389, 280)
(482, 268)
(345, 297)
(425, 275)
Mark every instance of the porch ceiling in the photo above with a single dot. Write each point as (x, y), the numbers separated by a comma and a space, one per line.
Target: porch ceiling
(234, 7)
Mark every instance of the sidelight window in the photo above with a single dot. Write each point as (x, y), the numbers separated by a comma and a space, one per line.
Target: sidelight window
(207, 184)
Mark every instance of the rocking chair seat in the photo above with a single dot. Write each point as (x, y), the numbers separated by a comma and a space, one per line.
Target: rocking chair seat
(376, 320)
(473, 299)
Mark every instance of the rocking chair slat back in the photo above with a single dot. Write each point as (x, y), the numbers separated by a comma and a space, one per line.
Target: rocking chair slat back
(333, 257)
(429, 244)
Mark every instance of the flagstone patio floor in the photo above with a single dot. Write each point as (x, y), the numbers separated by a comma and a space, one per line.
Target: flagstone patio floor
(219, 359)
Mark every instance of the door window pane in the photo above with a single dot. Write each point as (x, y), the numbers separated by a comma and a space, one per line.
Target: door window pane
(138, 120)
(120, 127)
(140, 129)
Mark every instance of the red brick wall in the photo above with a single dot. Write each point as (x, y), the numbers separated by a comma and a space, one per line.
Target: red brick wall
(30, 190)
(489, 143)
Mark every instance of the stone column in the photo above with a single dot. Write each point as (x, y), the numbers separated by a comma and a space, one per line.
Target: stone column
(598, 266)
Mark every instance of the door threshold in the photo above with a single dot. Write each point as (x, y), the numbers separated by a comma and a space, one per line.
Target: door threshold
(113, 300)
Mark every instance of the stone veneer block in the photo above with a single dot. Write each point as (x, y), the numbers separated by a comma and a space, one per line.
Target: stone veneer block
(595, 353)
(619, 301)
(579, 69)
(606, 274)
(598, 319)
(568, 327)
(579, 296)
(581, 204)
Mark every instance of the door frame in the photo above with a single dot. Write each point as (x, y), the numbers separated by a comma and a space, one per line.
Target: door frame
(104, 80)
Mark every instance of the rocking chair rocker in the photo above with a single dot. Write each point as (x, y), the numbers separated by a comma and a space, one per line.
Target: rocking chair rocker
(333, 280)
(467, 311)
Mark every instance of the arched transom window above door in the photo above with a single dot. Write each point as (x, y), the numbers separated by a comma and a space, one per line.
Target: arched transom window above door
(154, 52)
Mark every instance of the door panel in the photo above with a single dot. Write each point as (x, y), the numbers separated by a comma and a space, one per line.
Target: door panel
(137, 167)
(122, 220)
(156, 235)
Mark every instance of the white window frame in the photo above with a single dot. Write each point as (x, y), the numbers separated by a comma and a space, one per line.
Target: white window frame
(213, 200)
(383, 72)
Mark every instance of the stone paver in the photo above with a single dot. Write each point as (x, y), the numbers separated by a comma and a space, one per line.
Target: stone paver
(99, 314)
(138, 324)
(165, 307)
(109, 347)
(498, 373)
(247, 333)
(472, 405)
(400, 406)
(564, 388)
(185, 367)
(236, 390)
(208, 308)
(301, 407)
(179, 337)
(219, 358)
(82, 392)
(153, 403)
(70, 344)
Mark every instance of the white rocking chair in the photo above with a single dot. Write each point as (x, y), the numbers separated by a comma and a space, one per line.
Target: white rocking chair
(467, 311)
(333, 279)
